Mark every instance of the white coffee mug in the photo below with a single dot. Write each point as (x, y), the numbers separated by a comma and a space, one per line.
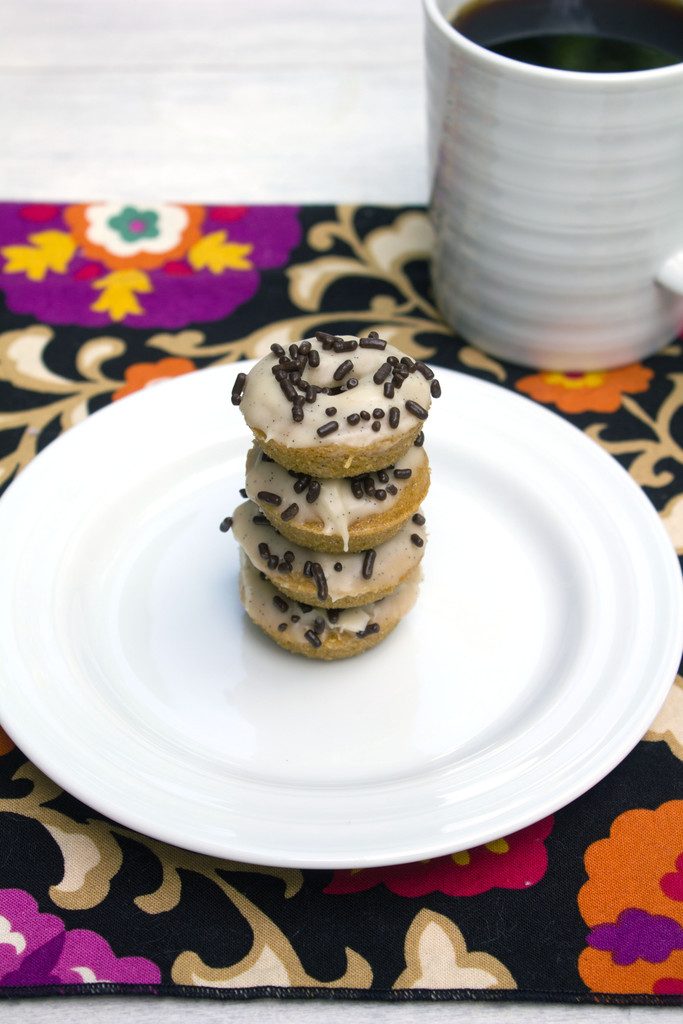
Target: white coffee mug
(557, 202)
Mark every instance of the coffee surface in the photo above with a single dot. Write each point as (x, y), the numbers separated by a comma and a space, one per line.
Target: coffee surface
(599, 36)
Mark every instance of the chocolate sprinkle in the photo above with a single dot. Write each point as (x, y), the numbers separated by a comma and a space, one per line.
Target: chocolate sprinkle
(425, 370)
(416, 409)
(382, 374)
(419, 440)
(288, 556)
(305, 608)
(369, 486)
(282, 627)
(376, 426)
(320, 580)
(325, 339)
(351, 384)
(269, 498)
(288, 390)
(277, 350)
(264, 550)
(383, 476)
(345, 346)
(419, 519)
(301, 484)
(369, 563)
(238, 388)
(295, 618)
(333, 615)
(392, 489)
(364, 415)
(388, 389)
(243, 492)
(290, 512)
(377, 414)
(297, 413)
(338, 567)
(304, 348)
(357, 488)
(284, 566)
(280, 603)
(313, 638)
(314, 358)
(331, 410)
(311, 393)
(319, 624)
(313, 491)
(279, 373)
(353, 419)
(392, 360)
(435, 389)
(380, 494)
(407, 361)
(294, 351)
(402, 474)
(373, 341)
(394, 417)
(260, 520)
(308, 566)
(327, 428)
(417, 540)
(343, 370)
(273, 562)
(226, 524)
(370, 629)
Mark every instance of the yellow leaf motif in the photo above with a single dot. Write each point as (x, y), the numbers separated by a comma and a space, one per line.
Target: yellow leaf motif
(49, 250)
(213, 252)
(118, 297)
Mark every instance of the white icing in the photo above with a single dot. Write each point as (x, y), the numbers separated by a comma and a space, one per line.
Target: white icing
(335, 508)
(258, 597)
(266, 409)
(394, 559)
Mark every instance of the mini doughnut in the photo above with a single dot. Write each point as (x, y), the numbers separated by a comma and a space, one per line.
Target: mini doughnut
(336, 405)
(321, 632)
(338, 515)
(324, 579)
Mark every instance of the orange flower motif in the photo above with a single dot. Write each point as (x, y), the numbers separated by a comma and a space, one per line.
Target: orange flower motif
(595, 391)
(633, 904)
(6, 744)
(139, 375)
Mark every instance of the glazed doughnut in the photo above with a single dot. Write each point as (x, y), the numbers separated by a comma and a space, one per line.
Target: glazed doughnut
(324, 579)
(322, 632)
(336, 405)
(338, 515)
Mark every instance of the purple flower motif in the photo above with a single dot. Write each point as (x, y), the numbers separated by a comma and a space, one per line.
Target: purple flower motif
(36, 949)
(638, 935)
(164, 266)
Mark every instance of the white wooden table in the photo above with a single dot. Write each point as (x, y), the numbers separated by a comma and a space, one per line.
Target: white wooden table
(224, 101)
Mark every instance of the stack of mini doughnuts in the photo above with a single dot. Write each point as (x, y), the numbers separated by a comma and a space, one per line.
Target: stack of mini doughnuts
(332, 534)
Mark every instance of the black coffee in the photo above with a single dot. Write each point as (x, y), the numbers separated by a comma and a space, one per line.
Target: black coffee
(578, 35)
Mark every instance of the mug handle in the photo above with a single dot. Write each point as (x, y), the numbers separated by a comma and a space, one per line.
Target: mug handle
(670, 274)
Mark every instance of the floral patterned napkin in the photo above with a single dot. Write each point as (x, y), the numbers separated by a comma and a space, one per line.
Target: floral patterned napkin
(98, 300)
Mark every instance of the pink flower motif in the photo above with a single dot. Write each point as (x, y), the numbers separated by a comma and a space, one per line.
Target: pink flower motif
(516, 862)
(36, 949)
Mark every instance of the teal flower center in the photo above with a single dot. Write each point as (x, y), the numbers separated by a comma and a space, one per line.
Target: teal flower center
(133, 224)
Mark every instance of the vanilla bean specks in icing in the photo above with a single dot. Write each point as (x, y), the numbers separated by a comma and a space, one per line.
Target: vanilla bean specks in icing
(333, 506)
(328, 579)
(336, 389)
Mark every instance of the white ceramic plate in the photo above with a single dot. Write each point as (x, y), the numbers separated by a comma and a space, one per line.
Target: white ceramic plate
(545, 639)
